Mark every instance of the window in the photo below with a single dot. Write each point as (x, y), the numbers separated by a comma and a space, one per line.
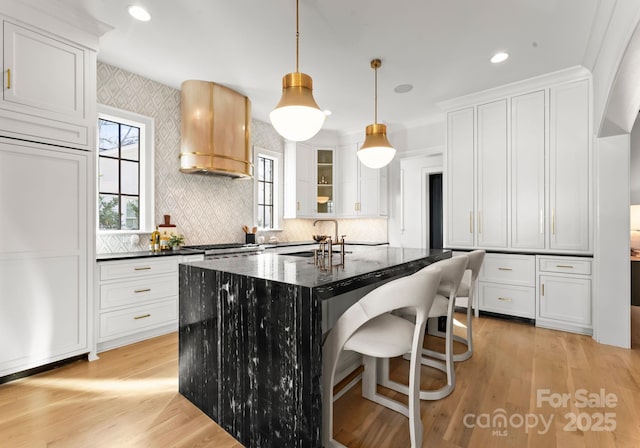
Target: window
(125, 199)
(267, 169)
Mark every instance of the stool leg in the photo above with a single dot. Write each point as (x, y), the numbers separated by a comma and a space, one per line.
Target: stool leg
(369, 378)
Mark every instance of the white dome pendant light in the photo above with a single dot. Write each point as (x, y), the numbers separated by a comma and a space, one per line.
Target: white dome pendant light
(376, 151)
(297, 116)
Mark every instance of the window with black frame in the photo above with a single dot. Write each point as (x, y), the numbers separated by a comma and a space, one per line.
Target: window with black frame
(119, 176)
(265, 192)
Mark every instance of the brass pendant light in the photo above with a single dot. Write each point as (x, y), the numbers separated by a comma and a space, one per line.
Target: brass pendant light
(376, 151)
(297, 117)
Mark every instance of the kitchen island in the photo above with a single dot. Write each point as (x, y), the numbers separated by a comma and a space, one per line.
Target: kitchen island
(250, 348)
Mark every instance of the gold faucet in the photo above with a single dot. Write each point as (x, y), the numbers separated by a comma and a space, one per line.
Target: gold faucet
(329, 220)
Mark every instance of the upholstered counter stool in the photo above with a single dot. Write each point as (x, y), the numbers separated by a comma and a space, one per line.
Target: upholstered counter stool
(369, 328)
(443, 306)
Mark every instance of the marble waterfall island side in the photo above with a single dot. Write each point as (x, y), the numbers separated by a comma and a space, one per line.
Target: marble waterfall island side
(250, 347)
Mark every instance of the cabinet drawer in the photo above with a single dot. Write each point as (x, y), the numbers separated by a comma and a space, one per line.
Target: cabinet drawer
(566, 265)
(507, 299)
(506, 268)
(137, 268)
(136, 291)
(132, 320)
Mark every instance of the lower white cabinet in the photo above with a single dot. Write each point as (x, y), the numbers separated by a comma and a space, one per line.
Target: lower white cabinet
(506, 285)
(137, 299)
(564, 285)
(44, 254)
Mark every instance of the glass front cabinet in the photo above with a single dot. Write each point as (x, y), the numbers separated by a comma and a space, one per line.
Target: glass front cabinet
(325, 188)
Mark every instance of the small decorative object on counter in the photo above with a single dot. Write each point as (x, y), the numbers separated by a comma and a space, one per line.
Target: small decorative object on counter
(164, 241)
(167, 226)
(176, 241)
(249, 237)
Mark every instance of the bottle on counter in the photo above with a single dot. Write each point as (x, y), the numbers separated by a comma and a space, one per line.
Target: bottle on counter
(155, 237)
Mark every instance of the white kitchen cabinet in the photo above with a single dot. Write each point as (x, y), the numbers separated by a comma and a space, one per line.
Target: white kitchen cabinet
(506, 285)
(460, 179)
(363, 191)
(48, 90)
(45, 204)
(137, 299)
(564, 301)
(569, 162)
(529, 186)
(324, 178)
(298, 186)
(491, 162)
(527, 171)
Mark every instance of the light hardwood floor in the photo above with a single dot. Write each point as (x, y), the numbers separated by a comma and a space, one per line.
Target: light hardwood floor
(129, 398)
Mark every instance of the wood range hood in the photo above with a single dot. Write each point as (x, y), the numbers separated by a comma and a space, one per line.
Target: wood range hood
(216, 130)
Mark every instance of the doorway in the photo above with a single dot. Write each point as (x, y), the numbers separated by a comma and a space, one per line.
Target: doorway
(435, 211)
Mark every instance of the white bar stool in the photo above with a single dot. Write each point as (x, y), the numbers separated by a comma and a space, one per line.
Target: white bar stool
(367, 327)
(443, 306)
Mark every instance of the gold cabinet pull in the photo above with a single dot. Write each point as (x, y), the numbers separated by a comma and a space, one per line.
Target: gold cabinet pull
(8, 78)
(142, 290)
(568, 266)
(471, 222)
(144, 316)
(145, 268)
(542, 289)
(298, 206)
(505, 269)
(505, 299)
(479, 222)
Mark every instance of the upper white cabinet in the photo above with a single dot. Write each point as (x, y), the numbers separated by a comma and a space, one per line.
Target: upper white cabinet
(492, 171)
(298, 187)
(569, 185)
(518, 171)
(325, 176)
(48, 92)
(362, 191)
(460, 178)
(527, 170)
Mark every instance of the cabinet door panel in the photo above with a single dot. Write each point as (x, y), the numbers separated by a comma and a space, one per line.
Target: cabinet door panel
(492, 175)
(43, 258)
(46, 74)
(567, 299)
(569, 167)
(460, 178)
(527, 171)
(304, 163)
(348, 189)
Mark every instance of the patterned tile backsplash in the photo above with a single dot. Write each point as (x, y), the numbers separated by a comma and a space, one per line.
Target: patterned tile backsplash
(207, 209)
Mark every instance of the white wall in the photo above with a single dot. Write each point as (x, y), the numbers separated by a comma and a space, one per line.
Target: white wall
(413, 215)
(612, 279)
(634, 165)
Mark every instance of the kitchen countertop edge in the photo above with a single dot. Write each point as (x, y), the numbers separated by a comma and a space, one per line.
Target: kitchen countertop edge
(146, 254)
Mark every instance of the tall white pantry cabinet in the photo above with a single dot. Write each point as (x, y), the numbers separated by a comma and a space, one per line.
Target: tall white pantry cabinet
(518, 180)
(47, 176)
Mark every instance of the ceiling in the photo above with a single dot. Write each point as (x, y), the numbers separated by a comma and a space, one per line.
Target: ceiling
(441, 47)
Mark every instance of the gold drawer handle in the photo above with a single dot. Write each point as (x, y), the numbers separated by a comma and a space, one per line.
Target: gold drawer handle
(8, 78)
(564, 266)
(504, 299)
(146, 268)
(505, 269)
(144, 316)
(142, 290)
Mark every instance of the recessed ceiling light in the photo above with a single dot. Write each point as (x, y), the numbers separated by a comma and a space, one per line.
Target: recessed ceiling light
(499, 57)
(403, 88)
(327, 112)
(139, 13)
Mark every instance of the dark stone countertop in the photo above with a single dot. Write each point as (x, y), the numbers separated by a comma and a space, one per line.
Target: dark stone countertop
(146, 254)
(306, 243)
(363, 267)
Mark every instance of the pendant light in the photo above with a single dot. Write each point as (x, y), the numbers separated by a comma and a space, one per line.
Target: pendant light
(297, 117)
(376, 151)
